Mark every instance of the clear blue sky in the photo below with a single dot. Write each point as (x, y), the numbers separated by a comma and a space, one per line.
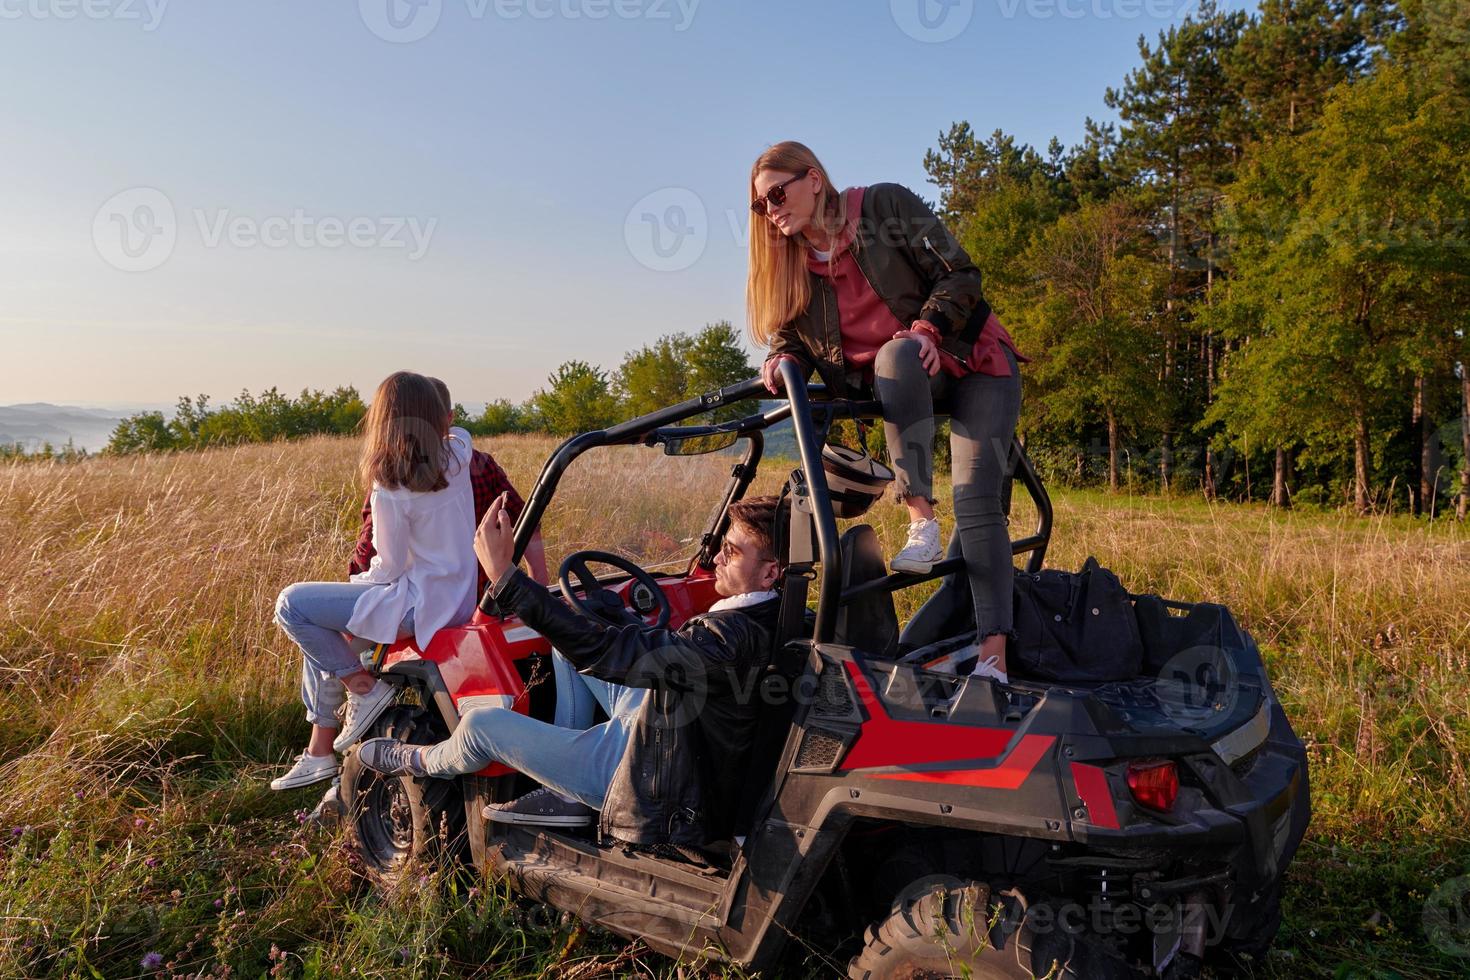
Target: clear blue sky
(488, 174)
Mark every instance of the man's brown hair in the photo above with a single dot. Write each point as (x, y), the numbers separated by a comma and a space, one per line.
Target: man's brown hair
(443, 390)
(760, 516)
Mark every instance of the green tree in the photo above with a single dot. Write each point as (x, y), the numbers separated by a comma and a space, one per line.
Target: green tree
(145, 432)
(1180, 141)
(966, 168)
(717, 359)
(1094, 321)
(679, 366)
(1292, 53)
(499, 417)
(654, 375)
(1343, 267)
(577, 398)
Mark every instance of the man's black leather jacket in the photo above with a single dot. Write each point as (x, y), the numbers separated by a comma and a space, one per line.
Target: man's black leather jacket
(689, 747)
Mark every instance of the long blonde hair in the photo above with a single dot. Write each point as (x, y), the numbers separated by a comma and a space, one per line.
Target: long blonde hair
(404, 434)
(778, 287)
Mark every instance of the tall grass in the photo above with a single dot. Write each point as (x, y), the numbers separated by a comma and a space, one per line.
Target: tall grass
(146, 698)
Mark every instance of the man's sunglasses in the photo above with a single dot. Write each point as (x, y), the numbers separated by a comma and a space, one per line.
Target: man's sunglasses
(732, 552)
(773, 198)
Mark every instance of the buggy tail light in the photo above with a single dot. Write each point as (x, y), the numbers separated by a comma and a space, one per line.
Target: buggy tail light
(1154, 783)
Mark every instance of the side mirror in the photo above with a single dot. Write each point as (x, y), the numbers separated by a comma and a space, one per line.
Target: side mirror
(699, 445)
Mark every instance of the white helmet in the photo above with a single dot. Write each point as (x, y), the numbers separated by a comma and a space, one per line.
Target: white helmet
(854, 478)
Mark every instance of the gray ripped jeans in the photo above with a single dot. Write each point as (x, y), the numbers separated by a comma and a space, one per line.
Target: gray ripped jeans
(983, 411)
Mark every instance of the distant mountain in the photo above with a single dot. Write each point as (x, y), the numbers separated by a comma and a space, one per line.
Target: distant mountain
(36, 423)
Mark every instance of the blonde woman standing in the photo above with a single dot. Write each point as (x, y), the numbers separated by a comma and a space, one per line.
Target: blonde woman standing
(869, 289)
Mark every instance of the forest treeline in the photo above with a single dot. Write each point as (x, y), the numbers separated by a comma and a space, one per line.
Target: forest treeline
(1257, 282)
(577, 396)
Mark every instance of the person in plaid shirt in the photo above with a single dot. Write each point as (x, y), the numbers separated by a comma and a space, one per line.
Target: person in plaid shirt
(488, 481)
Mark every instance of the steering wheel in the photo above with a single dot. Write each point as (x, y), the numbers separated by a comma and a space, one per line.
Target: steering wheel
(604, 604)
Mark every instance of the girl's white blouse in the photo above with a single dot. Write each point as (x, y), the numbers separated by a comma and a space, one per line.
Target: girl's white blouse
(425, 557)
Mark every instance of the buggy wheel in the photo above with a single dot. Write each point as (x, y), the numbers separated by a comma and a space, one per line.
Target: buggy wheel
(399, 821)
(941, 927)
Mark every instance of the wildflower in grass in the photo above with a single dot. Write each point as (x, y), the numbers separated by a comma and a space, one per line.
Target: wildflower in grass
(151, 961)
(151, 862)
(403, 954)
(17, 831)
(219, 903)
(139, 823)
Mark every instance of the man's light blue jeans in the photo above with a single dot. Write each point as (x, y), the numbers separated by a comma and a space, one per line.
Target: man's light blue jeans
(575, 760)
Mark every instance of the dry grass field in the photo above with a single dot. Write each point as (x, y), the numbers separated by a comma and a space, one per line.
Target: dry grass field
(146, 698)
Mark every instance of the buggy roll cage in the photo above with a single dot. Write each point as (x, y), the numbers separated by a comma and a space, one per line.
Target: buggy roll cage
(661, 426)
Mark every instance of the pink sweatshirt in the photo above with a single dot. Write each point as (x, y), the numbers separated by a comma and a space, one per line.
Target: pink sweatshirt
(867, 323)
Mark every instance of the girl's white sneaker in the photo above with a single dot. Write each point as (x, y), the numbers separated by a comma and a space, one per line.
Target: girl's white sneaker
(988, 668)
(307, 770)
(921, 550)
(362, 711)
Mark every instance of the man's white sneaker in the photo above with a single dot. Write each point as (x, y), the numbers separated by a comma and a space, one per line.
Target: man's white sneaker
(307, 770)
(362, 711)
(921, 550)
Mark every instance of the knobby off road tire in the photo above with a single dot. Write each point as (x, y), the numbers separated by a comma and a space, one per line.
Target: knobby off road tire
(401, 822)
(946, 931)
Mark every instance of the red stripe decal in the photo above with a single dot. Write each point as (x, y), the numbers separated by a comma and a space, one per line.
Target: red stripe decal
(886, 741)
(1010, 774)
(1092, 790)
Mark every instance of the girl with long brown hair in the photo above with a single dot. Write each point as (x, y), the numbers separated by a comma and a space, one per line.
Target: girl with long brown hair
(869, 289)
(421, 578)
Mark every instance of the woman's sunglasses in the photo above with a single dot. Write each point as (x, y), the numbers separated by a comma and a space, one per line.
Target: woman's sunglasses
(773, 198)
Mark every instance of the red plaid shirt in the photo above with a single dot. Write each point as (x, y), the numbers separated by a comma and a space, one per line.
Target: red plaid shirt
(487, 480)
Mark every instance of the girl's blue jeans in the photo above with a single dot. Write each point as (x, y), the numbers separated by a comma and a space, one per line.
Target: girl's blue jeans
(314, 614)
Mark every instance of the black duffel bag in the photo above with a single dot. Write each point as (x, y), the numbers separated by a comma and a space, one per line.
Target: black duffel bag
(1074, 626)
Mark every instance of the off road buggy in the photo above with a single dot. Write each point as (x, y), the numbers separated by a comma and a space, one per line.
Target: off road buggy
(907, 821)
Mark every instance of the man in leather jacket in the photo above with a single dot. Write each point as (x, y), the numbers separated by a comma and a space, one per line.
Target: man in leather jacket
(667, 766)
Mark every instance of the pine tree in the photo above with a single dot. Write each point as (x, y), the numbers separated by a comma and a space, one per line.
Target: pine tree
(1181, 137)
(1291, 55)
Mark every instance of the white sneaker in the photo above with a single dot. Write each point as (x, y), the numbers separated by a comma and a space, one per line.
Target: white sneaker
(307, 770)
(362, 711)
(988, 668)
(921, 550)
